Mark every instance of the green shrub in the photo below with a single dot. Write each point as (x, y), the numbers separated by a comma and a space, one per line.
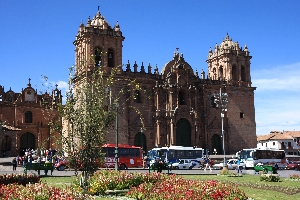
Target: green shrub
(269, 177)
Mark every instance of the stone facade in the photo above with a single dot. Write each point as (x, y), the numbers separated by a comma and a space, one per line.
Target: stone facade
(25, 117)
(179, 110)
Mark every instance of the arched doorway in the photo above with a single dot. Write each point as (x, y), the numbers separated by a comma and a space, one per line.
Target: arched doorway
(183, 133)
(216, 144)
(140, 141)
(27, 141)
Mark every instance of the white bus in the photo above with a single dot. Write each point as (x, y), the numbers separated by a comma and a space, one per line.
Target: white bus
(265, 156)
(173, 154)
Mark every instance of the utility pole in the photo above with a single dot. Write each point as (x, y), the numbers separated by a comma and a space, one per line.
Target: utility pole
(221, 100)
(117, 140)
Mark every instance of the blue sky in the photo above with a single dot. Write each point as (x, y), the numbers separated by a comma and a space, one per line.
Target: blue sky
(36, 40)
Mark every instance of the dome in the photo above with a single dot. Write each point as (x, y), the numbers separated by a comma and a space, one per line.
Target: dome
(99, 21)
(177, 62)
(227, 42)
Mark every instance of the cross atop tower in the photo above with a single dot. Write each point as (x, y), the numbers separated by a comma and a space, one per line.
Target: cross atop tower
(29, 85)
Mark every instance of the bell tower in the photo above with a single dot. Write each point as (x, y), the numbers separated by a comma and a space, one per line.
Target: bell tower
(98, 44)
(229, 62)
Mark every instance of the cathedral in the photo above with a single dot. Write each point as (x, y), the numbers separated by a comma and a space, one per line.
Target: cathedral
(183, 107)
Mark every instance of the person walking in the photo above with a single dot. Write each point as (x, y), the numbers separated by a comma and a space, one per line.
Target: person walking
(239, 167)
(14, 164)
(207, 163)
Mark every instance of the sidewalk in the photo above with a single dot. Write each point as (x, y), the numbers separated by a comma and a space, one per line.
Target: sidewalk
(5, 164)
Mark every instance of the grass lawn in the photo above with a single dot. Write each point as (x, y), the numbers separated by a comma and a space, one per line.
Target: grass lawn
(58, 181)
(262, 190)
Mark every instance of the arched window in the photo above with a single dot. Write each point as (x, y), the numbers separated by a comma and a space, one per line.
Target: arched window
(111, 58)
(221, 76)
(10, 99)
(243, 73)
(28, 117)
(98, 56)
(182, 98)
(214, 74)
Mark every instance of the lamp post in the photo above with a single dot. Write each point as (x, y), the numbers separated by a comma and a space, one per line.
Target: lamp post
(142, 141)
(117, 139)
(222, 100)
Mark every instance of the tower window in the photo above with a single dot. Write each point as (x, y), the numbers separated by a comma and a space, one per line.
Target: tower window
(110, 58)
(234, 73)
(241, 115)
(243, 73)
(1, 97)
(28, 117)
(98, 57)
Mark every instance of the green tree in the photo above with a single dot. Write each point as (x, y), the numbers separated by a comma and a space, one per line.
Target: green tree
(89, 113)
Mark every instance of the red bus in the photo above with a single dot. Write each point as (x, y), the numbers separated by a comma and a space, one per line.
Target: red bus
(129, 156)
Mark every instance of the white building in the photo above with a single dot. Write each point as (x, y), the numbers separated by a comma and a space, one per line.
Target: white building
(287, 140)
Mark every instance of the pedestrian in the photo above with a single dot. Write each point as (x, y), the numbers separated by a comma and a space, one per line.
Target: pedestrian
(14, 164)
(202, 163)
(18, 160)
(207, 163)
(238, 167)
(24, 160)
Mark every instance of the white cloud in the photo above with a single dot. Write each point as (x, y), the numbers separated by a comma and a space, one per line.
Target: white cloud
(62, 85)
(285, 77)
(276, 98)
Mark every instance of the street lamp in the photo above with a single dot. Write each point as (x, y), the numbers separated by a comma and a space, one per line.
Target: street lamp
(142, 141)
(222, 100)
(117, 141)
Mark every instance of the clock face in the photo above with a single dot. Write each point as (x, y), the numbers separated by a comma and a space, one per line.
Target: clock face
(29, 95)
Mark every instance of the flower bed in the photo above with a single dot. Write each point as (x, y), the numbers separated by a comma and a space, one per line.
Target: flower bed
(174, 187)
(161, 186)
(295, 177)
(23, 179)
(39, 191)
(105, 180)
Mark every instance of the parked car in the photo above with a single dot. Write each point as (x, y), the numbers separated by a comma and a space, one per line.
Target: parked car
(61, 165)
(183, 164)
(231, 164)
(293, 165)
